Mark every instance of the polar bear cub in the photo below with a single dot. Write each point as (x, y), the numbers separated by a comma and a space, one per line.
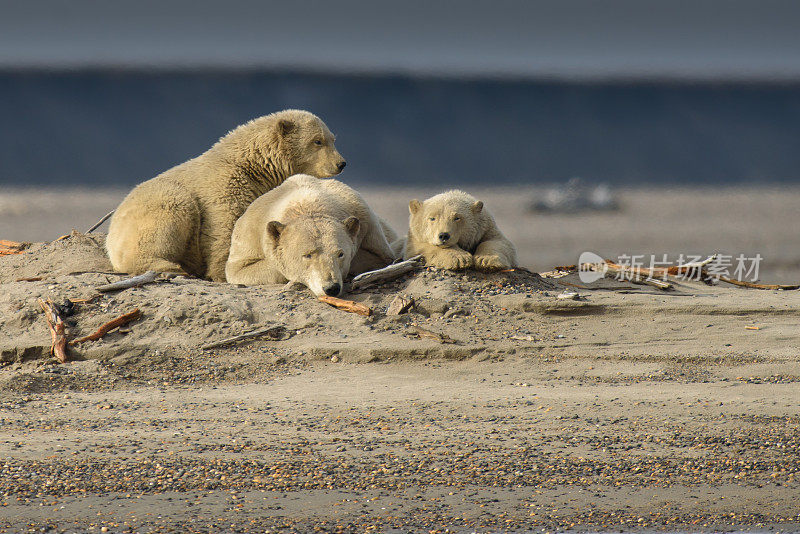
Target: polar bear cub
(310, 231)
(453, 230)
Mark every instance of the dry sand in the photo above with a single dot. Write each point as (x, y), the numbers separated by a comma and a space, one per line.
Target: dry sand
(633, 409)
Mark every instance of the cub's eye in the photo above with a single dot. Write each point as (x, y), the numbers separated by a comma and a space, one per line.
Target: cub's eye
(318, 142)
(432, 218)
(456, 218)
(341, 254)
(307, 256)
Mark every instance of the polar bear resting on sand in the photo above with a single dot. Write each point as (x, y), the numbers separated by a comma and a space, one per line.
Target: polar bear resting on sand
(309, 231)
(453, 230)
(181, 220)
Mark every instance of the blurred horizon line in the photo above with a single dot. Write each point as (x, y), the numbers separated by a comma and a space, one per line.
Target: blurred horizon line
(583, 78)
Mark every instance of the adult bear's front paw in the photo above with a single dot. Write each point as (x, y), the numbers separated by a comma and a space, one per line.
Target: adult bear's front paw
(489, 262)
(453, 259)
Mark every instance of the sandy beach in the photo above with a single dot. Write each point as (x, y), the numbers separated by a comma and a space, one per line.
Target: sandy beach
(629, 409)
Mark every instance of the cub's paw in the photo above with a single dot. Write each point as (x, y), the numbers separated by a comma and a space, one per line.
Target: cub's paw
(489, 262)
(452, 259)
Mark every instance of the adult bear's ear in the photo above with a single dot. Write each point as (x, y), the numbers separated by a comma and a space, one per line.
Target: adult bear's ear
(274, 229)
(414, 206)
(285, 127)
(477, 207)
(353, 225)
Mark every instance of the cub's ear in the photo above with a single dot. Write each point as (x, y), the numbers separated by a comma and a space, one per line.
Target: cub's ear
(274, 229)
(353, 225)
(414, 206)
(477, 207)
(285, 127)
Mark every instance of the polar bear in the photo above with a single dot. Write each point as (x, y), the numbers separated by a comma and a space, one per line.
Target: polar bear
(453, 230)
(313, 232)
(181, 220)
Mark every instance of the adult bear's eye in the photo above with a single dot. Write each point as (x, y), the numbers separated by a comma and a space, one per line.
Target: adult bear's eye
(341, 254)
(318, 142)
(456, 218)
(307, 256)
(432, 219)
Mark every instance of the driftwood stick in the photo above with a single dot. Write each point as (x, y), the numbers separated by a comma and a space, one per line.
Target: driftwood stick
(101, 221)
(347, 305)
(136, 281)
(753, 285)
(57, 330)
(633, 274)
(686, 267)
(12, 247)
(418, 331)
(390, 272)
(274, 331)
(109, 326)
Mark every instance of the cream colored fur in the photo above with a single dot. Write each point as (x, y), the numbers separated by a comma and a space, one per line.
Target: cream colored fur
(471, 237)
(181, 220)
(313, 232)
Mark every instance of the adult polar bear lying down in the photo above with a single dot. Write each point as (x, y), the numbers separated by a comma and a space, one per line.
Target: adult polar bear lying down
(310, 231)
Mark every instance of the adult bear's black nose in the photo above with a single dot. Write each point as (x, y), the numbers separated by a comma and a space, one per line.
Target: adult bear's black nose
(333, 290)
(341, 164)
(444, 236)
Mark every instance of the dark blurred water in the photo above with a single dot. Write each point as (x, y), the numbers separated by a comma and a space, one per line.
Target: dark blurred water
(121, 127)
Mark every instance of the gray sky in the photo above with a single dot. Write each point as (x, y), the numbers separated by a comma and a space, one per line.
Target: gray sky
(583, 39)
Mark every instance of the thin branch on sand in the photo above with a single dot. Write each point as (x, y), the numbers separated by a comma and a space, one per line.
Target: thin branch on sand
(101, 221)
(753, 285)
(136, 281)
(418, 331)
(12, 247)
(274, 331)
(390, 272)
(347, 305)
(109, 326)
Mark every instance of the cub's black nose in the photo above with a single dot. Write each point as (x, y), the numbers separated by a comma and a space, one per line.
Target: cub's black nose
(444, 236)
(333, 290)
(341, 165)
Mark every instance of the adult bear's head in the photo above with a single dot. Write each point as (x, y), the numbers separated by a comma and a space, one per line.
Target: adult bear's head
(315, 251)
(284, 143)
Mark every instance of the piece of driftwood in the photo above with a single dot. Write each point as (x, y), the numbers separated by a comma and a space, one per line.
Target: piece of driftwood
(633, 274)
(12, 247)
(86, 300)
(390, 272)
(644, 275)
(101, 221)
(399, 305)
(753, 285)
(686, 268)
(58, 329)
(347, 305)
(274, 331)
(418, 331)
(109, 326)
(135, 281)
(32, 279)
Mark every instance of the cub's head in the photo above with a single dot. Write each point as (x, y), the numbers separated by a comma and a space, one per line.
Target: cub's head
(309, 143)
(315, 251)
(444, 220)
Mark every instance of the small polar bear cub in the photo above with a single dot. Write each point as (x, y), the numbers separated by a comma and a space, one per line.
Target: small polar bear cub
(453, 230)
(309, 231)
